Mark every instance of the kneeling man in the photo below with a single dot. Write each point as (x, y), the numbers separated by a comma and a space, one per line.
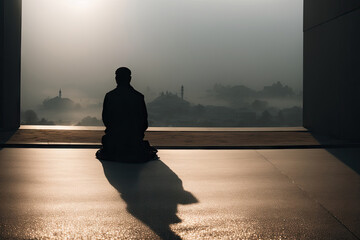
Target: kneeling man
(125, 118)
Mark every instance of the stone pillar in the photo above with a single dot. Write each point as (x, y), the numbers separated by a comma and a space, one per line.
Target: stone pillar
(332, 67)
(10, 69)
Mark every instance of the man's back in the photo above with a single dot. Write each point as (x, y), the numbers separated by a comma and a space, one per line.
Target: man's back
(124, 113)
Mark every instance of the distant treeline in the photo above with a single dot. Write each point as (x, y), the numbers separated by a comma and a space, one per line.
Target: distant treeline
(244, 107)
(171, 110)
(242, 96)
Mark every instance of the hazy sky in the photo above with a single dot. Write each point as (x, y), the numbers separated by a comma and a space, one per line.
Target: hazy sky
(76, 45)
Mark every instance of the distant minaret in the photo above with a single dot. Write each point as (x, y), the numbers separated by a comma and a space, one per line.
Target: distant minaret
(182, 92)
(60, 93)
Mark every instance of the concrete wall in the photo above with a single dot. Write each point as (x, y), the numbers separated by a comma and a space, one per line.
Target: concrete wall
(332, 67)
(10, 60)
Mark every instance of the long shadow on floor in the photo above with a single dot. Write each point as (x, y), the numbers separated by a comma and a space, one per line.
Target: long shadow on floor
(151, 191)
(5, 136)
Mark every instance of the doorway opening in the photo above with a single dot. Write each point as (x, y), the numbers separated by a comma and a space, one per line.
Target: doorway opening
(199, 64)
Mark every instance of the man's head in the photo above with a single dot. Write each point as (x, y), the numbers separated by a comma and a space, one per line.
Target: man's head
(123, 75)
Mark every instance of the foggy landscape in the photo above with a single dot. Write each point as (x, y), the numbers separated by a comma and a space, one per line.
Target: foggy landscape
(240, 62)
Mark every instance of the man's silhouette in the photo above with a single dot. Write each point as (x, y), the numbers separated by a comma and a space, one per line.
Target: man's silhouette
(125, 118)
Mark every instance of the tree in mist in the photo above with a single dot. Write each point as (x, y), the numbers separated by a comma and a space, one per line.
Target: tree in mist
(59, 104)
(169, 105)
(30, 117)
(259, 105)
(291, 116)
(236, 96)
(90, 121)
(240, 96)
(265, 118)
(44, 121)
(277, 90)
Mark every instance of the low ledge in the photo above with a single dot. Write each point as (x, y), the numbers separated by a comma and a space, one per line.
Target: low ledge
(82, 138)
(97, 146)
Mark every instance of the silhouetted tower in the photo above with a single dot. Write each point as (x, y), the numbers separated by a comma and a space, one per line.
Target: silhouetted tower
(60, 93)
(182, 92)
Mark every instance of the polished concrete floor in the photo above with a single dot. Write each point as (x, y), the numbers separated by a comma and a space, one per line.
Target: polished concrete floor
(188, 194)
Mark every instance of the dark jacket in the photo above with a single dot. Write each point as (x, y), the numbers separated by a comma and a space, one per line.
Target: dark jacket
(124, 113)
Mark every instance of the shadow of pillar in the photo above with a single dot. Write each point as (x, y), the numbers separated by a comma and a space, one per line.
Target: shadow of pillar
(152, 192)
(347, 151)
(5, 136)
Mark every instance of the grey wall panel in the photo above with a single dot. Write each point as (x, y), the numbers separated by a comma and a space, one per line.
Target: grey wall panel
(10, 64)
(320, 11)
(332, 77)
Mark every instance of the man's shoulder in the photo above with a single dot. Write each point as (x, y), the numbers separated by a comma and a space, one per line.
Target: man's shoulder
(130, 90)
(137, 93)
(111, 92)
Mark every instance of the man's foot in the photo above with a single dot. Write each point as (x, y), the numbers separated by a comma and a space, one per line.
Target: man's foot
(153, 157)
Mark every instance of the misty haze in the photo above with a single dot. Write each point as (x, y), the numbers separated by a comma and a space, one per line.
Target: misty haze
(229, 63)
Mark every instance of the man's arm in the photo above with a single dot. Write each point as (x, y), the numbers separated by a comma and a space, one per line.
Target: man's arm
(144, 115)
(105, 112)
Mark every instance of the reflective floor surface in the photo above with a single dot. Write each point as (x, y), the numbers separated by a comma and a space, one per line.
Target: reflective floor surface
(188, 194)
